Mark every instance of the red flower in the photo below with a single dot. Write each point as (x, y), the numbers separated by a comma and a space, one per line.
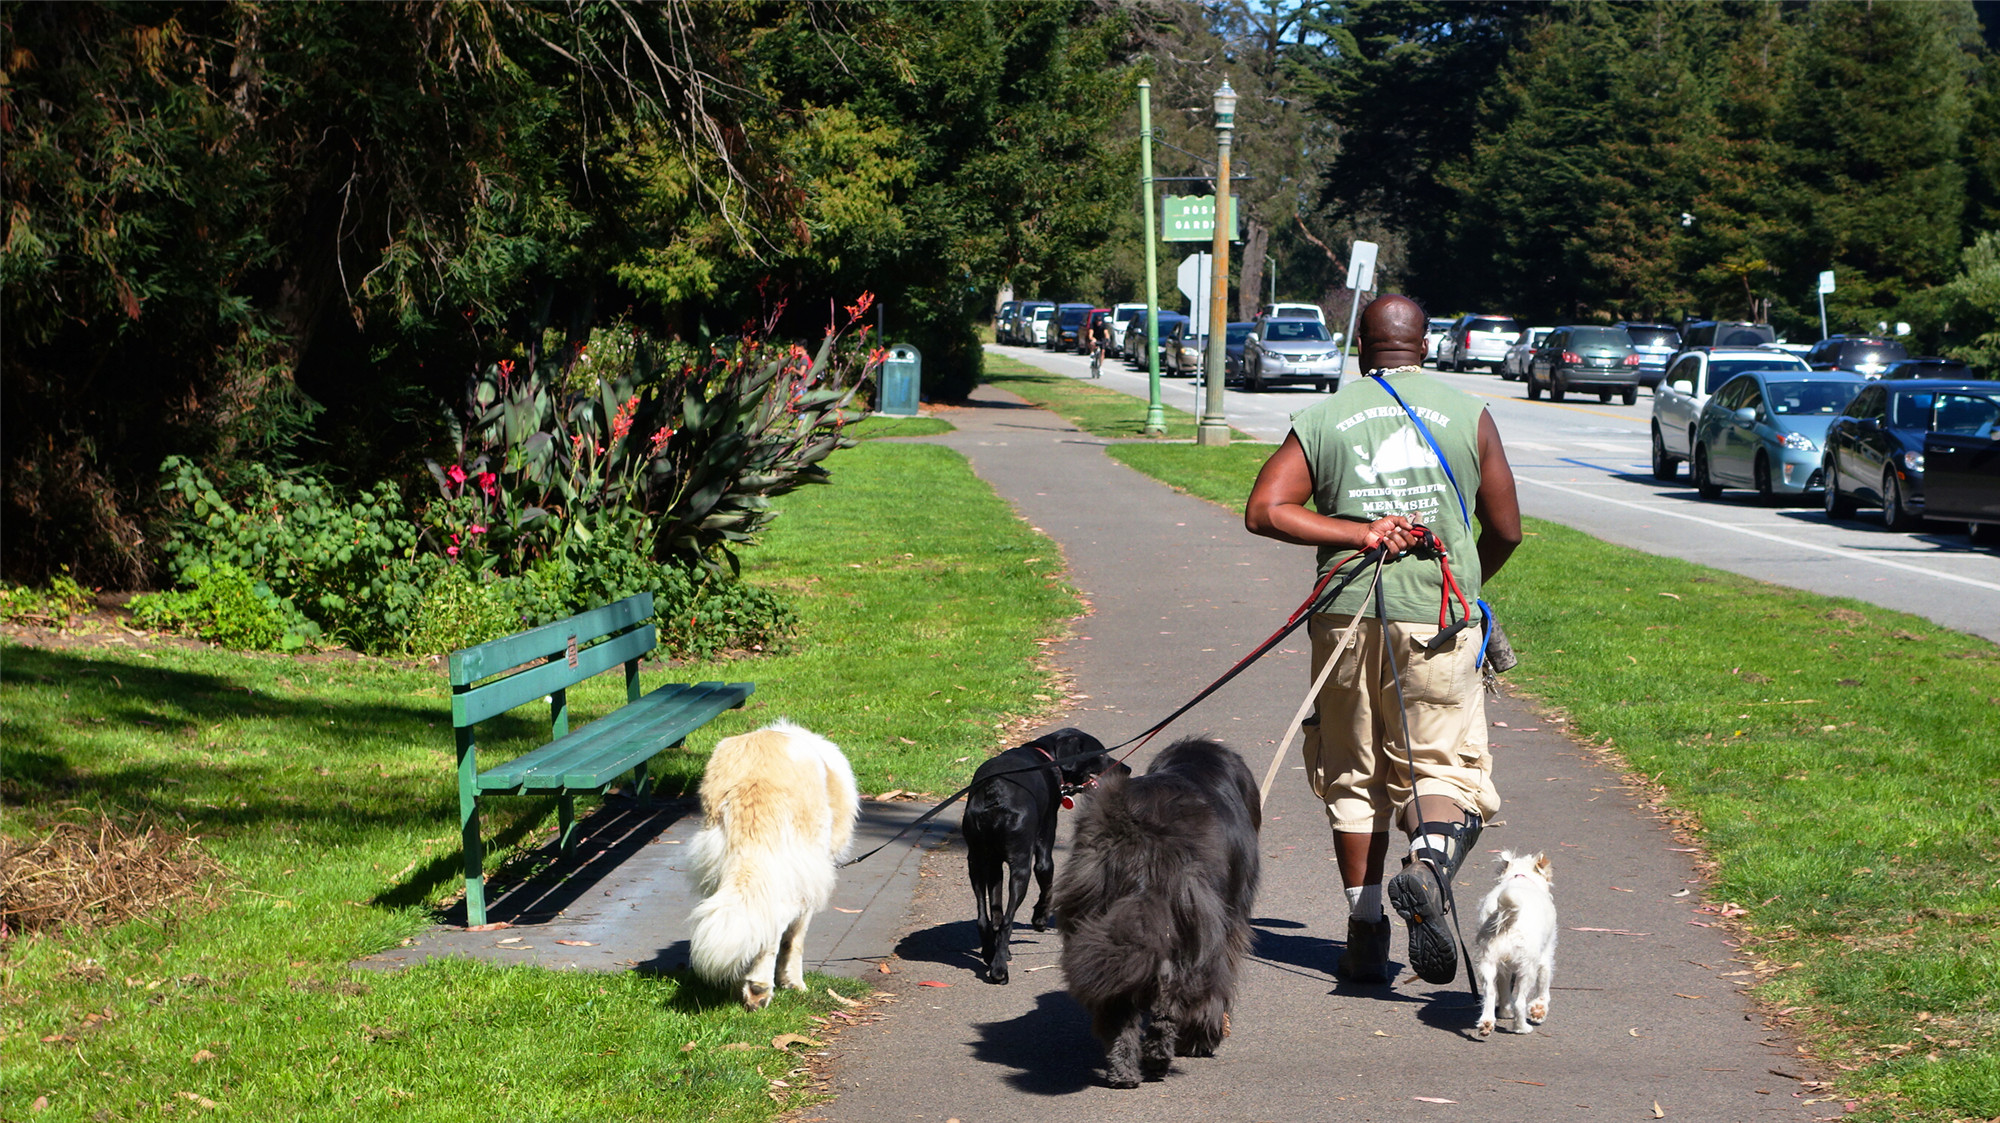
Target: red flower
(506, 367)
(488, 483)
(621, 424)
(860, 307)
(456, 474)
(661, 438)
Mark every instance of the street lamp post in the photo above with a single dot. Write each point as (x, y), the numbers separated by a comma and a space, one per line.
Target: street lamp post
(1156, 414)
(1214, 428)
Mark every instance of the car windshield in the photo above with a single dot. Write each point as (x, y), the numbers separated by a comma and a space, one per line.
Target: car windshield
(1599, 337)
(1654, 337)
(1489, 324)
(1810, 399)
(1722, 370)
(1294, 331)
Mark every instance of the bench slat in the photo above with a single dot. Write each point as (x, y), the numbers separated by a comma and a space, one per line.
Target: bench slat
(482, 702)
(599, 752)
(471, 664)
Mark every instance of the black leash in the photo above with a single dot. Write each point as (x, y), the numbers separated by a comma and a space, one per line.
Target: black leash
(1320, 597)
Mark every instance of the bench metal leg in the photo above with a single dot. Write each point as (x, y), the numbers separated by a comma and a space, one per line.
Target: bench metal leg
(566, 820)
(642, 782)
(468, 831)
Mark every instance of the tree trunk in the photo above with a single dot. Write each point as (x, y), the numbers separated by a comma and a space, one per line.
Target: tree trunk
(1250, 290)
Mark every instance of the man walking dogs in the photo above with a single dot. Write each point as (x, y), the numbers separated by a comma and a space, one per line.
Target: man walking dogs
(1372, 472)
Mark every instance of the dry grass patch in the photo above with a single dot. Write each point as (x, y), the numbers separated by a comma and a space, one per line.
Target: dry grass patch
(80, 875)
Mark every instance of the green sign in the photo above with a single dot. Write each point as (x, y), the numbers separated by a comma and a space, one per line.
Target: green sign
(1191, 218)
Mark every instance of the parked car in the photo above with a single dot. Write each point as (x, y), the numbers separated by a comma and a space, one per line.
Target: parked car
(1514, 364)
(1283, 311)
(1434, 330)
(1694, 376)
(1005, 310)
(1962, 461)
(1037, 319)
(1171, 328)
(1763, 430)
(1656, 344)
(1181, 347)
(1585, 358)
(1476, 340)
(1930, 366)
(1873, 454)
(1091, 324)
(1021, 325)
(1233, 341)
(1725, 333)
(1066, 326)
(1286, 350)
(1864, 354)
(1122, 318)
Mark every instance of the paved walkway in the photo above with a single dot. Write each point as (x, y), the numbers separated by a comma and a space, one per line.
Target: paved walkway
(1645, 1010)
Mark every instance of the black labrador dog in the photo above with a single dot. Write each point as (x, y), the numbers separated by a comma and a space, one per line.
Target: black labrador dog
(1010, 819)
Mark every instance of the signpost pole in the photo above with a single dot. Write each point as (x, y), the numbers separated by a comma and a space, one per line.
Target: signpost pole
(1156, 413)
(1214, 428)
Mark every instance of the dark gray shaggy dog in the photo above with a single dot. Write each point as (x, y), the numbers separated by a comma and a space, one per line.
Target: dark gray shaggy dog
(1154, 906)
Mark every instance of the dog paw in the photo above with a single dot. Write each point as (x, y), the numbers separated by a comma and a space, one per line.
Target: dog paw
(997, 973)
(1486, 1027)
(1538, 1012)
(756, 996)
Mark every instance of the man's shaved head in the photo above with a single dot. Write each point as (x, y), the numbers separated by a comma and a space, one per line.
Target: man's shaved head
(1391, 333)
(1392, 319)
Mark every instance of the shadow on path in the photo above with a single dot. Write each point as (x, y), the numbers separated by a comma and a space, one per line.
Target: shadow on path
(1049, 1048)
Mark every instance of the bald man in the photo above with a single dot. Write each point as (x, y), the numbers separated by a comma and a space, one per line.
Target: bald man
(1370, 474)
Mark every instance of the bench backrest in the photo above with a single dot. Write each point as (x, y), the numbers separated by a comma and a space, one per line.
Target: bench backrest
(574, 649)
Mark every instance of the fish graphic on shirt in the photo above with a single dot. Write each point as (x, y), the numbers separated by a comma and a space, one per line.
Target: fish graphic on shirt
(1401, 452)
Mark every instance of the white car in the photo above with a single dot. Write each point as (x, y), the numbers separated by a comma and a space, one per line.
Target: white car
(1122, 320)
(1039, 326)
(1434, 331)
(1514, 365)
(1476, 340)
(1691, 377)
(1292, 312)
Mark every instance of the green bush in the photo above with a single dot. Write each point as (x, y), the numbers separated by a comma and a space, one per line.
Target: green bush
(53, 607)
(226, 606)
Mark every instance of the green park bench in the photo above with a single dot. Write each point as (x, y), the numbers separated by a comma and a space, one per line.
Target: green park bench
(492, 678)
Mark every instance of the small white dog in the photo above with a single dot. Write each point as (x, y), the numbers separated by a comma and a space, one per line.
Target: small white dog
(1517, 942)
(779, 807)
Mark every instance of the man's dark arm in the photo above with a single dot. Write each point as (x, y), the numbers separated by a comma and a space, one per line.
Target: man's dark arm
(1499, 509)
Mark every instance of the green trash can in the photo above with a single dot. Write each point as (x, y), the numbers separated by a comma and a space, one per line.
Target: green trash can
(901, 378)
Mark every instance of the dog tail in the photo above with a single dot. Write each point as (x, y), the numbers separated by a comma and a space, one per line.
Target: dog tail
(752, 888)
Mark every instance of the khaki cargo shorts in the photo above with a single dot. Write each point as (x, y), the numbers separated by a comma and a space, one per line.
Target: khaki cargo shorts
(1355, 754)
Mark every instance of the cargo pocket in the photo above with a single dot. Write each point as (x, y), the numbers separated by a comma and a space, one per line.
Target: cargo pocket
(1442, 677)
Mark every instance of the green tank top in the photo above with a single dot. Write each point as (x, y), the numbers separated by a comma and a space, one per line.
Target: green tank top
(1368, 460)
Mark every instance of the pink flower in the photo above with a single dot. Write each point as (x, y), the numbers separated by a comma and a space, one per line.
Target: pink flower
(488, 483)
(451, 551)
(661, 438)
(456, 474)
(475, 528)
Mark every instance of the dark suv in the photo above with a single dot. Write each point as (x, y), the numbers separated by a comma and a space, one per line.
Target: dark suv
(1726, 333)
(1656, 343)
(1585, 358)
(1929, 366)
(1865, 355)
(1067, 324)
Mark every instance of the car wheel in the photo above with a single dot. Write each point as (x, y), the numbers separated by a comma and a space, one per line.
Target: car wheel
(1631, 395)
(1838, 506)
(1703, 486)
(1983, 534)
(1534, 388)
(1664, 467)
(1760, 474)
(1604, 397)
(1556, 390)
(1894, 516)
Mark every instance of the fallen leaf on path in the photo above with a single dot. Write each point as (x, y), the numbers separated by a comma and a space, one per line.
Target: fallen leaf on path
(1379, 1033)
(1676, 596)
(739, 1046)
(513, 939)
(1432, 1100)
(1613, 931)
(884, 968)
(928, 983)
(1683, 850)
(1621, 889)
(890, 794)
(1634, 1031)
(1657, 1112)
(837, 908)
(1697, 997)
(1043, 967)
(576, 943)
(202, 1055)
(1536, 1083)
(1701, 924)
(1682, 893)
(840, 998)
(906, 740)
(784, 1039)
(688, 1048)
(493, 927)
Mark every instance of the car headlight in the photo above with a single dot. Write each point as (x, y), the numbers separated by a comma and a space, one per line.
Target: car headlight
(1914, 461)
(1277, 360)
(1798, 441)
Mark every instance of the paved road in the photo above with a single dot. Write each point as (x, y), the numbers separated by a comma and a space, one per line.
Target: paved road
(1648, 1007)
(1587, 465)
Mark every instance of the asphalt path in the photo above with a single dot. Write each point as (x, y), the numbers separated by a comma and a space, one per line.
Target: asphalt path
(1649, 1019)
(1588, 465)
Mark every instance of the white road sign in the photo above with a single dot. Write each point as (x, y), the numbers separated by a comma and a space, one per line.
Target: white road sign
(1361, 267)
(1826, 281)
(1194, 276)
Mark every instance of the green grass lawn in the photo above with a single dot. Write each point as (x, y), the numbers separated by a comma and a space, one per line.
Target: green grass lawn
(1840, 762)
(875, 425)
(323, 784)
(1093, 409)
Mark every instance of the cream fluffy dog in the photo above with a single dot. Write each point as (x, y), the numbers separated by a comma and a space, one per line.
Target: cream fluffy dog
(1517, 942)
(779, 807)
